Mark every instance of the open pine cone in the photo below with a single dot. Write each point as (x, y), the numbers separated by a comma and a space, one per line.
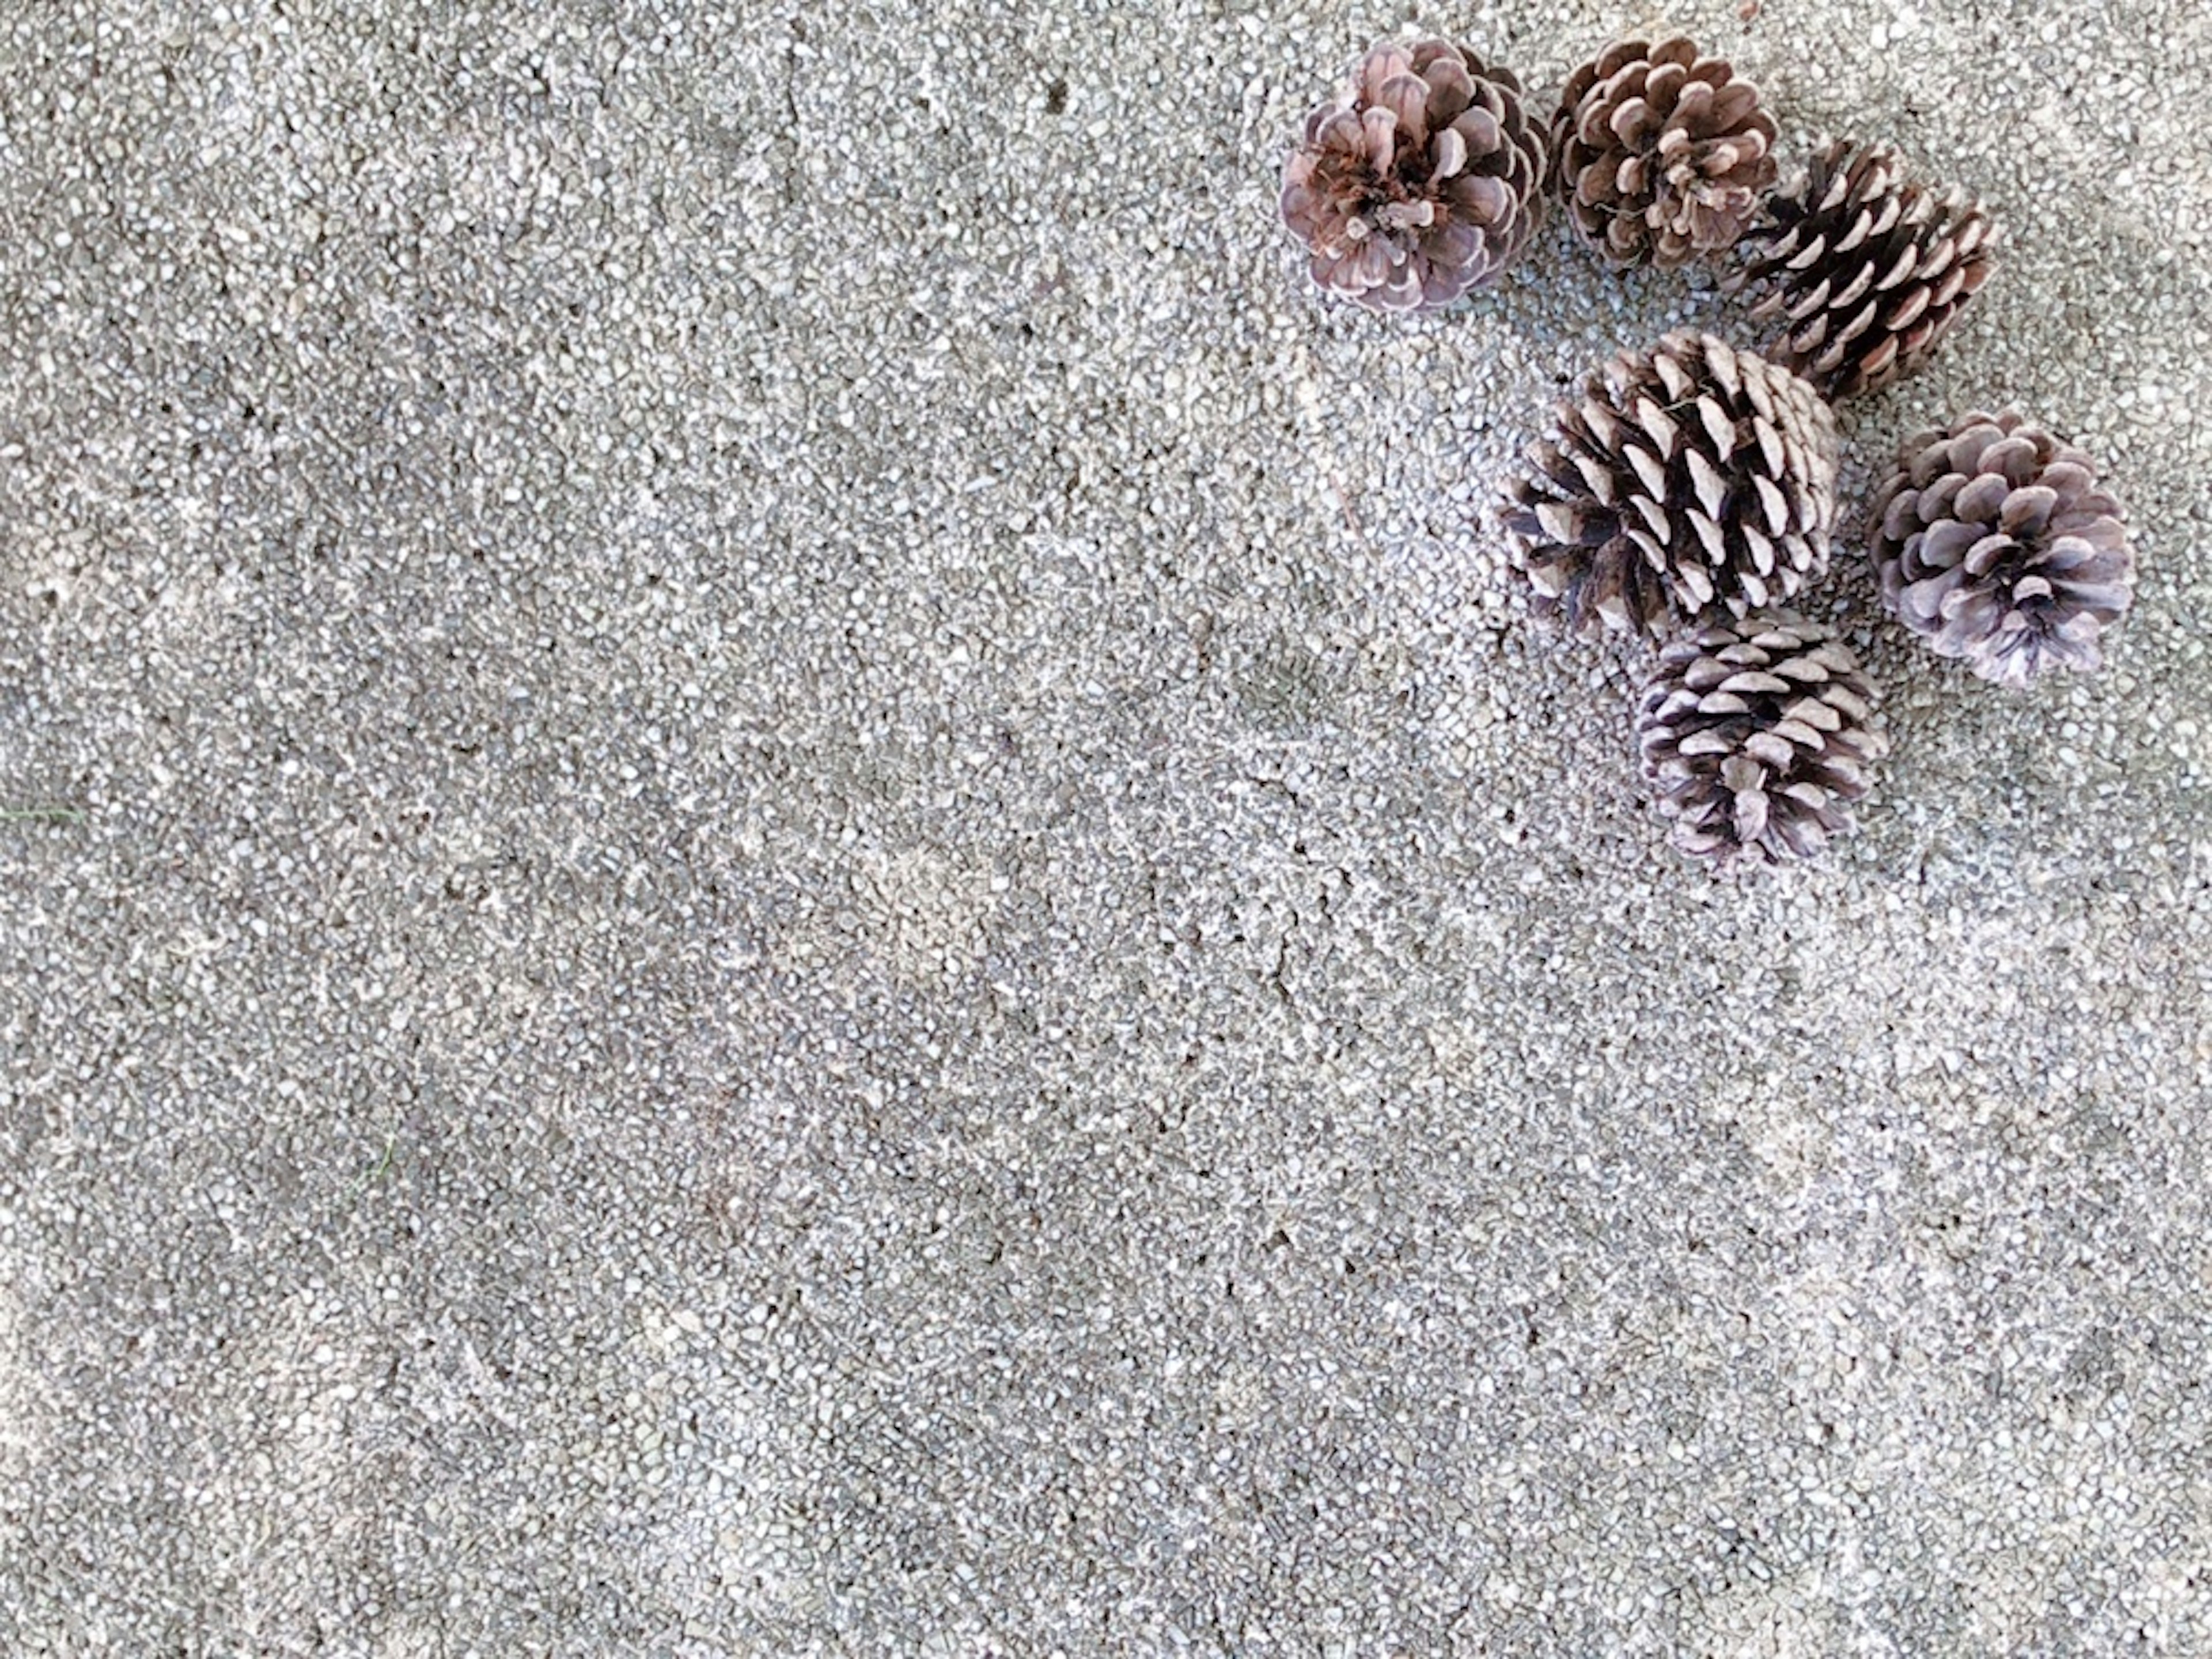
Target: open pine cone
(1422, 180)
(1757, 737)
(1867, 268)
(1690, 481)
(1995, 542)
(1663, 155)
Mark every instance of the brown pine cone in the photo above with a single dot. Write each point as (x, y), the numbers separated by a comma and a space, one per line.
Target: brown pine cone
(1868, 268)
(1687, 482)
(1663, 155)
(1995, 544)
(1757, 737)
(1422, 180)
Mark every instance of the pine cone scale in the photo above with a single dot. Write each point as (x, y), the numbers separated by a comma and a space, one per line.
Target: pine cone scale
(1404, 99)
(1451, 89)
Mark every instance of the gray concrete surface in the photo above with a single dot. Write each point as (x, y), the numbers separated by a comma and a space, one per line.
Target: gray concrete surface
(780, 875)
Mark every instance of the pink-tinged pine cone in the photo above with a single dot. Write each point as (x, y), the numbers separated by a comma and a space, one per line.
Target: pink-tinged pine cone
(1421, 180)
(1664, 154)
(1996, 544)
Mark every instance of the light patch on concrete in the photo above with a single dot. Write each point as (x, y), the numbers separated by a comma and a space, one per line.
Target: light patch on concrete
(25, 1413)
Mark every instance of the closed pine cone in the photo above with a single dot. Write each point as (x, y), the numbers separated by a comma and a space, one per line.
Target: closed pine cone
(1663, 155)
(1867, 268)
(1690, 481)
(1996, 544)
(1758, 737)
(1421, 180)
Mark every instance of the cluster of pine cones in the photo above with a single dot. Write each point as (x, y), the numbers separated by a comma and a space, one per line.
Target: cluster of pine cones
(1686, 493)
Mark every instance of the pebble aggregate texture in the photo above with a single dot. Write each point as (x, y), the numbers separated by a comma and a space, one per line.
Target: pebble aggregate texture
(782, 873)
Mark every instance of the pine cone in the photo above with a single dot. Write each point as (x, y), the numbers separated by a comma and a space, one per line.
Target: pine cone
(1423, 179)
(1757, 737)
(1664, 154)
(1994, 543)
(1868, 268)
(1689, 481)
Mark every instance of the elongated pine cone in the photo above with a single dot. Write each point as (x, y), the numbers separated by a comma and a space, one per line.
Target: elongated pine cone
(1757, 736)
(1422, 180)
(1689, 481)
(1995, 544)
(1867, 268)
(1664, 154)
